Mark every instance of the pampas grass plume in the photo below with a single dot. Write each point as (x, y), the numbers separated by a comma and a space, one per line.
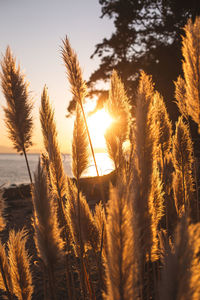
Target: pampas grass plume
(59, 179)
(18, 117)
(18, 111)
(119, 108)
(89, 232)
(180, 276)
(19, 260)
(143, 165)
(182, 146)
(5, 274)
(182, 152)
(100, 221)
(163, 123)
(191, 68)
(47, 233)
(180, 95)
(74, 73)
(119, 262)
(80, 153)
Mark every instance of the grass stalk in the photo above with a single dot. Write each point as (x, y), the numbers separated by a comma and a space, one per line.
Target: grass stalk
(27, 164)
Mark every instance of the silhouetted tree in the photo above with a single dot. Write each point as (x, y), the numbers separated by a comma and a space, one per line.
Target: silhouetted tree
(147, 36)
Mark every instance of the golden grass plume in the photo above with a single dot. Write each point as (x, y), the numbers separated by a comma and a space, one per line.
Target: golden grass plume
(180, 276)
(74, 73)
(58, 177)
(163, 123)
(89, 234)
(180, 95)
(182, 152)
(143, 164)
(80, 152)
(5, 273)
(121, 270)
(19, 261)
(47, 233)
(191, 68)
(119, 108)
(18, 117)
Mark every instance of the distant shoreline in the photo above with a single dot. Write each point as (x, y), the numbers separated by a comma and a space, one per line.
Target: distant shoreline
(29, 153)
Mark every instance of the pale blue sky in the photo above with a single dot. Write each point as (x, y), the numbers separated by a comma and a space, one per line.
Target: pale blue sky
(34, 30)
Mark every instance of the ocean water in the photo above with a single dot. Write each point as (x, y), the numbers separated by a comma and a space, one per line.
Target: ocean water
(13, 168)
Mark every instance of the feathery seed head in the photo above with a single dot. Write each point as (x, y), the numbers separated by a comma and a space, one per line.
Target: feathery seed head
(100, 222)
(80, 152)
(89, 231)
(182, 152)
(180, 95)
(191, 68)
(120, 264)
(119, 107)
(19, 260)
(5, 271)
(163, 123)
(182, 146)
(47, 233)
(58, 177)
(18, 117)
(180, 276)
(74, 73)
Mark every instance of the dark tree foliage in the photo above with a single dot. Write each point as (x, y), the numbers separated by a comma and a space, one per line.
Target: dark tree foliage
(147, 36)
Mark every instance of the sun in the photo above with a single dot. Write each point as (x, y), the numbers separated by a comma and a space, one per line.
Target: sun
(98, 123)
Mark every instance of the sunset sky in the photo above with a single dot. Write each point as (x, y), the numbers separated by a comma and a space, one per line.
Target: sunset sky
(34, 30)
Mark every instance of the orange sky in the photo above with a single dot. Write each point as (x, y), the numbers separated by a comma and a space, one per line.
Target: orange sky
(34, 30)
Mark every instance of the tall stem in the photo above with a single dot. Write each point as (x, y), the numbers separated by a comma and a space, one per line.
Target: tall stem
(88, 133)
(66, 239)
(83, 273)
(184, 195)
(29, 172)
(92, 149)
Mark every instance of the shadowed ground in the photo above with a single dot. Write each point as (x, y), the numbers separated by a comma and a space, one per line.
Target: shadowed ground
(18, 214)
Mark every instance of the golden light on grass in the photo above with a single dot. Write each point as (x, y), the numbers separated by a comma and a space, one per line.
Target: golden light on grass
(98, 123)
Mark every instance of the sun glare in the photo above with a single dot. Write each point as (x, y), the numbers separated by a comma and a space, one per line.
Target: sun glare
(97, 124)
